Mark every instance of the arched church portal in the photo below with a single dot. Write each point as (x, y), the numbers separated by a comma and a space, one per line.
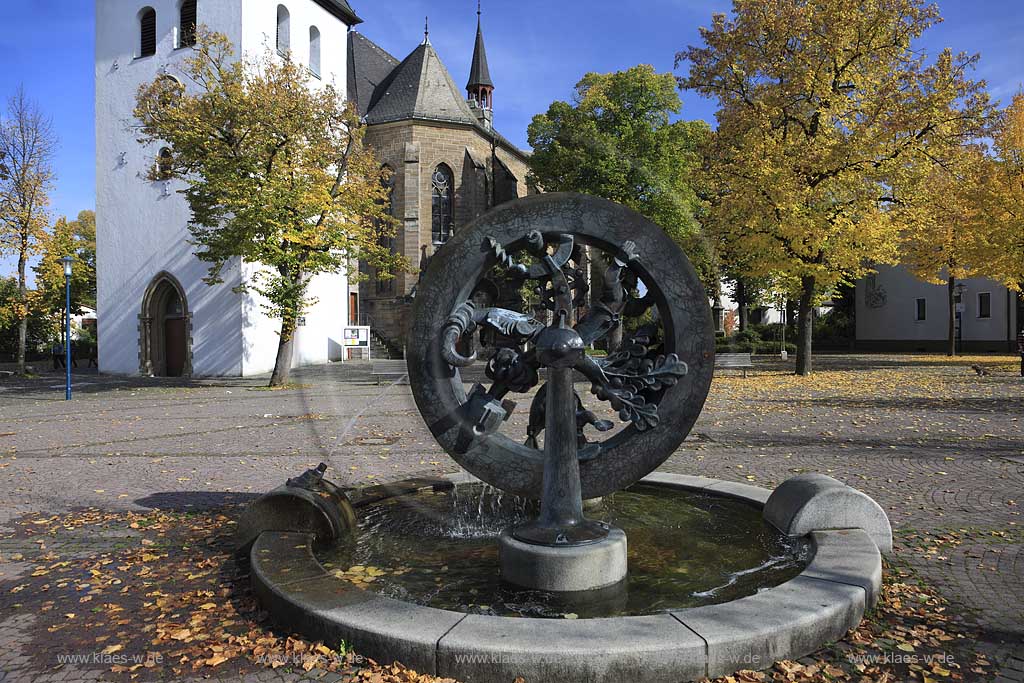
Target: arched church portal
(165, 330)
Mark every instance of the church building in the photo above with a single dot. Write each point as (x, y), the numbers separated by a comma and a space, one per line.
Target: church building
(448, 163)
(156, 316)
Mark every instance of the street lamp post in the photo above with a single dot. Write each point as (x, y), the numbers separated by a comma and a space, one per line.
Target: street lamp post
(960, 289)
(67, 261)
(782, 316)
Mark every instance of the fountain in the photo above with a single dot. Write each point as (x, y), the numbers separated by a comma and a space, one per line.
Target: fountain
(547, 582)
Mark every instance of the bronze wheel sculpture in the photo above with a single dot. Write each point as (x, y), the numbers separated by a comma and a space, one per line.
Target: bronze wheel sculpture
(657, 382)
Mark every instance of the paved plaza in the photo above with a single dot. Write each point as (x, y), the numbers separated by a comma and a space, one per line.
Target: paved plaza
(938, 445)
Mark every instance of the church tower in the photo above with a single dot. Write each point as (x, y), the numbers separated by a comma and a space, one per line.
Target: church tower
(480, 89)
(156, 315)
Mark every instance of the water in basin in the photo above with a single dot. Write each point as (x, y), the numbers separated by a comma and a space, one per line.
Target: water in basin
(686, 549)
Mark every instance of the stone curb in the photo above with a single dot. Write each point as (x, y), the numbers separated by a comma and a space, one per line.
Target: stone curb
(784, 622)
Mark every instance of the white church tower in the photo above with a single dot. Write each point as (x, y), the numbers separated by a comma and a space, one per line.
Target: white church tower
(155, 314)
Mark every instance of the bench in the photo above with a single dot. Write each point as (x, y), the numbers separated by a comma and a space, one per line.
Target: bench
(734, 361)
(388, 368)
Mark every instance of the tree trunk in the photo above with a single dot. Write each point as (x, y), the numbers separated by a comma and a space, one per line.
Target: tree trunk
(283, 364)
(951, 348)
(741, 303)
(805, 326)
(23, 323)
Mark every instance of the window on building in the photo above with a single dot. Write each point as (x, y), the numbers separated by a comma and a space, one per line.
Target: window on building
(442, 183)
(187, 36)
(170, 89)
(147, 32)
(922, 309)
(284, 38)
(314, 51)
(984, 305)
(164, 161)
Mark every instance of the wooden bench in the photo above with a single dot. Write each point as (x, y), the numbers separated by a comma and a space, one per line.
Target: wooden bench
(734, 361)
(388, 368)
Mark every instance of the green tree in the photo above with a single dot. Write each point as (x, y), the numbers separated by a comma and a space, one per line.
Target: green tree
(617, 140)
(825, 106)
(27, 145)
(78, 240)
(275, 174)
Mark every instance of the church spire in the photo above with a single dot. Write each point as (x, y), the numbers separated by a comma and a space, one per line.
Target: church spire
(480, 88)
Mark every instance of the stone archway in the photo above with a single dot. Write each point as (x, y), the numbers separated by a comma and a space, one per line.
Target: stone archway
(165, 329)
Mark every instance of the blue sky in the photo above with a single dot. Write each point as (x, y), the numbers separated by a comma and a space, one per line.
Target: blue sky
(538, 50)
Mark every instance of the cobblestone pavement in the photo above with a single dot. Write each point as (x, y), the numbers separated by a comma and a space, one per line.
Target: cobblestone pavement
(938, 446)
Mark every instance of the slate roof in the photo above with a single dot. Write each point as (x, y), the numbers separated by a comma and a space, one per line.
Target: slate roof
(340, 9)
(479, 74)
(419, 88)
(368, 66)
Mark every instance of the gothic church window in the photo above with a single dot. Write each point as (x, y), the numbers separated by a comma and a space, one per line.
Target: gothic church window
(187, 26)
(147, 32)
(283, 29)
(442, 220)
(314, 51)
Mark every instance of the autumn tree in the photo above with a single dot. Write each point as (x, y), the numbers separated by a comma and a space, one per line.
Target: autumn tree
(39, 328)
(947, 235)
(617, 140)
(274, 172)
(27, 144)
(1003, 196)
(78, 240)
(824, 105)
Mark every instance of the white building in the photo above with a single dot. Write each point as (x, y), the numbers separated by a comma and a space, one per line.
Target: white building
(156, 316)
(896, 311)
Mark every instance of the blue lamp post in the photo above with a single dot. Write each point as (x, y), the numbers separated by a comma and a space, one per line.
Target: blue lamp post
(67, 261)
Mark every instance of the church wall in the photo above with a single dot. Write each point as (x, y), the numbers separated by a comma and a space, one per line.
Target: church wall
(142, 224)
(414, 150)
(439, 143)
(319, 339)
(259, 33)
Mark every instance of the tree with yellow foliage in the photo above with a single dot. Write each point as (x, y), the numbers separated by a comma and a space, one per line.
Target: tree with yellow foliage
(963, 214)
(824, 108)
(276, 174)
(1003, 192)
(945, 238)
(27, 145)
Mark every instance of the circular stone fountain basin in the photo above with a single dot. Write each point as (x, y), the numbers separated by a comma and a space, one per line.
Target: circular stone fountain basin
(439, 548)
(787, 610)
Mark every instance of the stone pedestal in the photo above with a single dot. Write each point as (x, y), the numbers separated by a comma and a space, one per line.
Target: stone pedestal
(564, 569)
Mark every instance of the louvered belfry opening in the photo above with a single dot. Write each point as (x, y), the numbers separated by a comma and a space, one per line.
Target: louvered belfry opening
(188, 23)
(147, 32)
